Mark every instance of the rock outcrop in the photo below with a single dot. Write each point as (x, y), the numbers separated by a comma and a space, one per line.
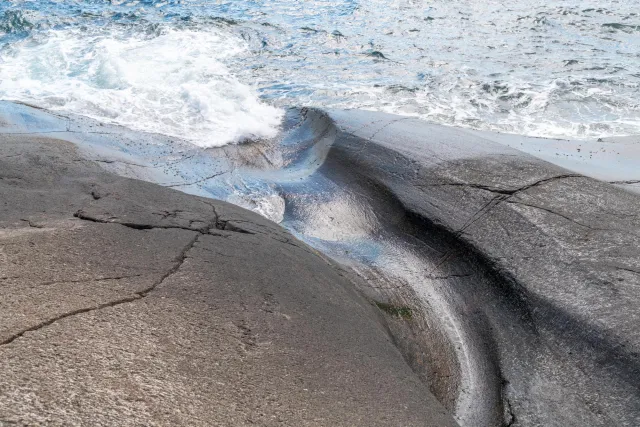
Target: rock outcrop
(545, 304)
(509, 284)
(125, 303)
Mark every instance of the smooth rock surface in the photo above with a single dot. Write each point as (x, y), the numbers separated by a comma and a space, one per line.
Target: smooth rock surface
(124, 303)
(511, 283)
(553, 258)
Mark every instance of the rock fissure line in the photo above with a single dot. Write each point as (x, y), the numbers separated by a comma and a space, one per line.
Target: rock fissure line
(503, 191)
(151, 166)
(97, 279)
(217, 224)
(392, 122)
(370, 139)
(517, 202)
(510, 418)
(180, 259)
(175, 162)
(119, 161)
(449, 276)
(83, 216)
(545, 180)
(51, 321)
(503, 196)
(482, 212)
(633, 181)
(629, 270)
(196, 182)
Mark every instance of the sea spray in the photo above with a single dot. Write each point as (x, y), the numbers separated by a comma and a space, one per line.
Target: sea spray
(169, 81)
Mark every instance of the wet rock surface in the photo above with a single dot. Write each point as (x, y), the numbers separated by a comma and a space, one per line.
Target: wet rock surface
(552, 260)
(126, 303)
(509, 284)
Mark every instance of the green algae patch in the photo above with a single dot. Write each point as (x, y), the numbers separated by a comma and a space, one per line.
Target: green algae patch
(394, 310)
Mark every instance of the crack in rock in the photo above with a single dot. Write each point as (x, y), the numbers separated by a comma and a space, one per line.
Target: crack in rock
(136, 226)
(375, 133)
(229, 226)
(449, 276)
(206, 178)
(628, 269)
(510, 418)
(180, 259)
(484, 210)
(116, 161)
(97, 279)
(517, 202)
(503, 195)
(633, 181)
(205, 229)
(386, 125)
(503, 191)
(216, 223)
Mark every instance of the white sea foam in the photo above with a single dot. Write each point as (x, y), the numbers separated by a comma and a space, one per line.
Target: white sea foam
(172, 82)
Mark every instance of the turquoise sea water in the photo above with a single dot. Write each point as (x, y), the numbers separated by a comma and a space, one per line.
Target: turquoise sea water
(216, 71)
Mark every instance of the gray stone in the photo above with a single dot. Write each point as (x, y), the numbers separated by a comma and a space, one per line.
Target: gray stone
(552, 258)
(508, 283)
(125, 303)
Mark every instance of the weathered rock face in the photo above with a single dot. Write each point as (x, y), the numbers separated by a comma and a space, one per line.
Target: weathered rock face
(510, 285)
(551, 258)
(126, 303)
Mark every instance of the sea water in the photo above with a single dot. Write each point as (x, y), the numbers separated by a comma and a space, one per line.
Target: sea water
(218, 72)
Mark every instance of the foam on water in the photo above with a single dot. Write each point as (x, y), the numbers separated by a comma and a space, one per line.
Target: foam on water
(169, 81)
(215, 72)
